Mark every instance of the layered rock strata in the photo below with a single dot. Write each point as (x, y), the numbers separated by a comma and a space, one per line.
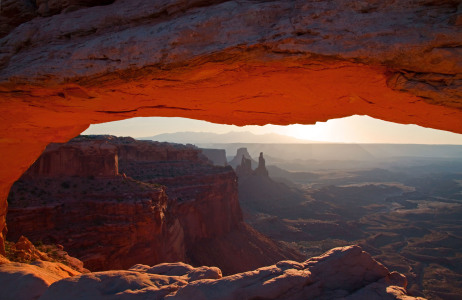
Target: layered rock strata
(114, 202)
(107, 223)
(67, 64)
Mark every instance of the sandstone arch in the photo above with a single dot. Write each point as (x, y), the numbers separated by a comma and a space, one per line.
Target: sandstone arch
(233, 62)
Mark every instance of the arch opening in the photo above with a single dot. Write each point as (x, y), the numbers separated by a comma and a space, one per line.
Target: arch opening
(228, 62)
(270, 94)
(378, 171)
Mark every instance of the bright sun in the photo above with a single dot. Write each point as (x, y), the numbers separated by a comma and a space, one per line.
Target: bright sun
(354, 129)
(317, 132)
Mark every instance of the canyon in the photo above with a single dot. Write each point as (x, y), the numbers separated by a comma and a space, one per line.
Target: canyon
(401, 203)
(115, 202)
(122, 205)
(66, 65)
(270, 62)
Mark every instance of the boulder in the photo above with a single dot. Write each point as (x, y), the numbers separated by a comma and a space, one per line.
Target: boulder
(21, 281)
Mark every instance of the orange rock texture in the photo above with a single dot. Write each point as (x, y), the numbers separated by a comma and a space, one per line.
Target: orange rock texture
(65, 65)
(168, 204)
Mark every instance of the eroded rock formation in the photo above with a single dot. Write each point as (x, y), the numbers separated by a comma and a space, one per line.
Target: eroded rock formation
(245, 168)
(23, 251)
(342, 273)
(238, 159)
(261, 168)
(258, 193)
(67, 64)
(107, 223)
(167, 204)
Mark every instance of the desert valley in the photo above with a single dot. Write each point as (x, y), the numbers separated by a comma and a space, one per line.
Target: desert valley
(360, 212)
(145, 203)
(404, 210)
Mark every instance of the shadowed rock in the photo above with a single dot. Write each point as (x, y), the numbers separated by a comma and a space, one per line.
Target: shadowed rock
(261, 168)
(28, 281)
(233, 62)
(167, 204)
(341, 273)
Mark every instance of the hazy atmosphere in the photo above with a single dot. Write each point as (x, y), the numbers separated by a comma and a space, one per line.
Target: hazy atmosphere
(363, 207)
(354, 129)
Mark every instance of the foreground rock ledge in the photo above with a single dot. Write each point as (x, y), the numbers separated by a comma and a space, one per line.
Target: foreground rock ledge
(341, 273)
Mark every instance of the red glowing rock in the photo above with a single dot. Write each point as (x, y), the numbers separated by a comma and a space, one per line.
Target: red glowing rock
(276, 62)
(114, 221)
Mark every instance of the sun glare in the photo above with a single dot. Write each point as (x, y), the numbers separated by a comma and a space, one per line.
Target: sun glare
(353, 129)
(316, 132)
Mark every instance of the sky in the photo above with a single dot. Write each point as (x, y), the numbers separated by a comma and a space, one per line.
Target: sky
(354, 129)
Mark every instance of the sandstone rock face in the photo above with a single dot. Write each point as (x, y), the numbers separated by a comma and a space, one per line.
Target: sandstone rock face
(119, 225)
(233, 62)
(25, 250)
(180, 269)
(205, 201)
(29, 281)
(51, 7)
(203, 197)
(14, 13)
(383, 34)
(168, 203)
(47, 256)
(207, 206)
(239, 250)
(97, 158)
(139, 282)
(148, 151)
(4, 260)
(261, 168)
(342, 273)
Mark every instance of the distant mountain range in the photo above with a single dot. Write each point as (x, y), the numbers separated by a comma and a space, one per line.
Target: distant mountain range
(226, 138)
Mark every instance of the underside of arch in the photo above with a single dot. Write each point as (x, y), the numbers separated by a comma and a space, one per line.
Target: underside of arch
(229, 62)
